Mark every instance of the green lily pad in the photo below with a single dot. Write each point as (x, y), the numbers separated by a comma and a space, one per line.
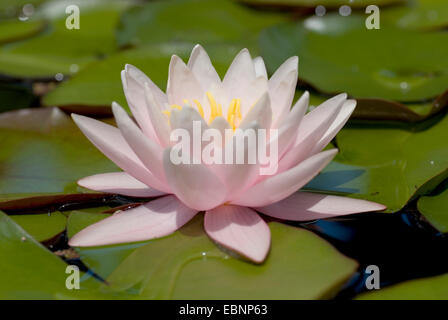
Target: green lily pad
(326, 3)
(30, 271)
(41, 226)
(193, 21)
(61, 50)
(419, 14)
(339, 54)
(15, 30)
(434, 288)
(103, 259)
(435, 210)
(387, 110)
(100, 84)
(43, 152)
(187, 265)
(386, 165)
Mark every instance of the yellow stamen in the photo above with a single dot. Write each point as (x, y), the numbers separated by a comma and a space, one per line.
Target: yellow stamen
(234, 112)
(176, 106)
(167, 113)
(215, 109)
(200, 109)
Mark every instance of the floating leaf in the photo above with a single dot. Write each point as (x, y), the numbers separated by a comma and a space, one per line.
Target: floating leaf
(17, 30)
(193, 21)
(339, 54)
(43, 152)
(327, 3)
(103, 260)
(434, 288)
(93, 89)
(63, 50)
(387, 165)
(418, 14)
(41, 226)
(435, 210)
(28, 270)
(187, 265)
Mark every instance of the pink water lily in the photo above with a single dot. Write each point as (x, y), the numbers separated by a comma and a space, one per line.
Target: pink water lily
(230, 195)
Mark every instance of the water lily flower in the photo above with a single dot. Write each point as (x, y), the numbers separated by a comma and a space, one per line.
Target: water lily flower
(232, 196)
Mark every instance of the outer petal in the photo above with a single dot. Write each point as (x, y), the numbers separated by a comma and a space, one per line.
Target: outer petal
(202, 68)
(149, 152)
(109, 141)
(304, 206)
(119, 183)
(157, 118)
(182, 84)
(260, 68)
(311, 129)
(292, 64)
(282, 185)
(347, 108)
(194, 184)
(240, 229)
(282, 97)
(154, 219)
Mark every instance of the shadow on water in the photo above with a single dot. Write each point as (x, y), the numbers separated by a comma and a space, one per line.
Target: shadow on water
(402, 245)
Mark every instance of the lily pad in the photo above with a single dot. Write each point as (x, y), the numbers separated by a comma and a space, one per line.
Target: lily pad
(387, 165)
(339, 54)
(43, 152)
(187, 265)
(16, 30)
(30, 271)
(63, 50)
(326, 3)
(435, 210)
(434, 288)
(41, 226)
(387, 110)
(419, 14)
(100, 84)
(103, 259)
(193, 21)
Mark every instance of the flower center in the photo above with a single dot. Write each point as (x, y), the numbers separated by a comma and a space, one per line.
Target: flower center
(233, 112)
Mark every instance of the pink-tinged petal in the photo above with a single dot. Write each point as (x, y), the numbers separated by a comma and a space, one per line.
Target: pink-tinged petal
(194, 184)
(288, 130)
(182, 84)
(305, 206)
(242, 171)
(311, 129)
(261, 113)
(110, 141)
(292, 64)
(202, 68)
(141, 78)
(240, 229)
(221, 124)
(260, 68)
(154, 219)
(347, 109)
(119, 183)
(251, 94)
(148, 151)
(134, 81)
(239, 75)
(158, 120)
(282, 97)
(282, 185)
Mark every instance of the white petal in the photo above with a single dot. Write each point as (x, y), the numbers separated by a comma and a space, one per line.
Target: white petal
(240, 229)
(202, 68)
(119, 183)
(260, 68)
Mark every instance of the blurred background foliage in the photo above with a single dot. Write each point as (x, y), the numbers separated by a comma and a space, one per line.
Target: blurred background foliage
(393, 150)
